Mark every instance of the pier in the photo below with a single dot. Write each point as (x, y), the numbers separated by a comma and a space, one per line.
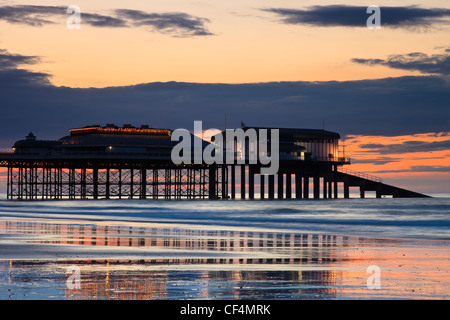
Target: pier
(126, 162)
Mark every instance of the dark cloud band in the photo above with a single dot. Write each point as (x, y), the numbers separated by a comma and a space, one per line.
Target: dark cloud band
(10, 72)
(407, 147)
(417, 61)
(166, 22)
(177, 24)
(391, 106)
(8, 60)
(418, 169)
(356, 16)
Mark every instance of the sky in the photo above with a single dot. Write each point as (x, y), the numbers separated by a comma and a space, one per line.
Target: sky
(307, 64)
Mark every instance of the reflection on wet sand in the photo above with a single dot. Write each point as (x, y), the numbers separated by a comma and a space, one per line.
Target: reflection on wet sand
(270, 246)
(103, 280)
(223, 264)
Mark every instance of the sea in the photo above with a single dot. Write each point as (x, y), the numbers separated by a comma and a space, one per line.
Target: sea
(225, 249)
(425, 218)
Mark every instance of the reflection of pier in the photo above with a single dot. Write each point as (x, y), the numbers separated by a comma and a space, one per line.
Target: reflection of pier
(114, 163)
(265, 247)
(173, 238)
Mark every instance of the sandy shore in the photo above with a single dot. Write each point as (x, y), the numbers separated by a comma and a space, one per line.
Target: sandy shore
(155, 261)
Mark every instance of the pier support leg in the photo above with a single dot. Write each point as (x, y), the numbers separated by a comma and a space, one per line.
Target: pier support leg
(280, 186)
(95, 182)
(316, 187)
(335, 182)
(362, 192)
(212, 182)
(262, 177)
(233, 182)
(378, 192)
(346, 190)
(251, 183)
(324, 188)
(120, 183)
(288, 186)
(60, 191)
(305, 187)
(243, 182)
(335, 189)
(298, 185)
(330, 189)
(143, 194)
(8, 192)
(131, 184)
(83, 184)
(107, 184)
(155, 183)
(271, 186)
(224, 182)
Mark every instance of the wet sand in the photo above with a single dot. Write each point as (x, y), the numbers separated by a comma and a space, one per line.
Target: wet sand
(140, 260)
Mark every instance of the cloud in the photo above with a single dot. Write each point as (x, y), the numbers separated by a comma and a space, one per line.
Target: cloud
(356, 16)
(177, 24)
(10, 72)
(98, 20)
(430, 168)
(30, 14)
(351, 107)
(377, 161)
(8, 60)
(417, 61)
(38, 16)
(408, 147)
(418, 169)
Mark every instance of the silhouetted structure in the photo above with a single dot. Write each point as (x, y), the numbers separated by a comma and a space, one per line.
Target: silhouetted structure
(107, 162)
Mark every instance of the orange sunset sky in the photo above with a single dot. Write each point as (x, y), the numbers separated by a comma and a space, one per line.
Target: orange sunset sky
(237, 50)
(236, 42)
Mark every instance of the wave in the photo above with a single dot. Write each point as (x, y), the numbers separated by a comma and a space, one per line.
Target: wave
(427, 218)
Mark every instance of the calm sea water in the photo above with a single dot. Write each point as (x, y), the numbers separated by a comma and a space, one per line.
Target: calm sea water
(281, 249)
(424, 218)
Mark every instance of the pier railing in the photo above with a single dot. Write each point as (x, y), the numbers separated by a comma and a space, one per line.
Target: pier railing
(155, 156)
(345, 160)
(361, 175)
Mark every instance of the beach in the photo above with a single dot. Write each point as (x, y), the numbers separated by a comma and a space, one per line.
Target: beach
(205, 250)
